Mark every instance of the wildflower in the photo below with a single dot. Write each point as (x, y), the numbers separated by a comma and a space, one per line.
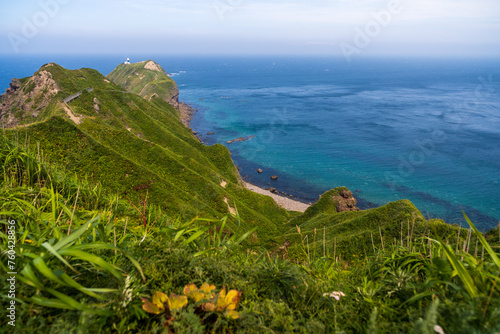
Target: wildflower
(161, 302)
(205, 292)
(225, 302)
(334, 294)
(438, 329)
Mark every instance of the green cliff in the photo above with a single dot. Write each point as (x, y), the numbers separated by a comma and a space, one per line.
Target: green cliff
(126, 142)
(146, 79)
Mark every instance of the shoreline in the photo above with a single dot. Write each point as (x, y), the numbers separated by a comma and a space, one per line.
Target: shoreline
(284, 202)
(186, 114)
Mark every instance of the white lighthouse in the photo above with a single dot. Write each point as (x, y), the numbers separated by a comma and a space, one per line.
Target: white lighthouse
(127, 62)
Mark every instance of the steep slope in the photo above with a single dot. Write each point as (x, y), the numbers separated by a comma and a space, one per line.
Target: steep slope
(147, 79)
(351, 233)
(27, 98)
(88, 125)
(133, 146)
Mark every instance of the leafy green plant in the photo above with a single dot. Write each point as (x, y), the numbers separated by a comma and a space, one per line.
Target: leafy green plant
(207, 237)
(47, 259)
(476, 278)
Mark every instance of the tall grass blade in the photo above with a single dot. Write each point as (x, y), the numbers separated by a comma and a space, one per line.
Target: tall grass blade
(49, 247)
(460, 270)
(54, 303)
(246, 235)
(75, 235)
(483, 241)
(66, 299)
(98, 261)
(72, 283)
(42, 267)
(28, 276)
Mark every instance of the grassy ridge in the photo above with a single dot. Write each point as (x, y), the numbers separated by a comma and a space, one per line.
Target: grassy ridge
(402, 289)
(132, 142)
(145, 82)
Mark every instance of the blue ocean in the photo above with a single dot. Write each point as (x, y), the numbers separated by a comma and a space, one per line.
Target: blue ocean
(422, 129)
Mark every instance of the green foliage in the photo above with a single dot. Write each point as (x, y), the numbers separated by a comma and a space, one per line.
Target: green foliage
(207, 237)
(145, 82)
(45, 246)
(129, 203)
(134, 142)
(429, 323)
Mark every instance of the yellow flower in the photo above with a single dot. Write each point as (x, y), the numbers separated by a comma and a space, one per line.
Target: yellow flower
(228, 302)
(204, 293)
(162, 302)
(207, 289)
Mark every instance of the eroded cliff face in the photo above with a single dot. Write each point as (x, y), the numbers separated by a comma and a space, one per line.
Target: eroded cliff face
(151, 65)
(174, 100)
(27, 97)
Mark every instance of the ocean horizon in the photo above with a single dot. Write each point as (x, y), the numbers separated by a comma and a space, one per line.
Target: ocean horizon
(427, 130)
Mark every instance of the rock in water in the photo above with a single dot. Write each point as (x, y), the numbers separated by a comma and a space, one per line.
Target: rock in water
(274, 177)
(237, 140)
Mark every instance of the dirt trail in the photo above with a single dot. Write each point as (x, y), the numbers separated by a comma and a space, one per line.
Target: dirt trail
(70, 113)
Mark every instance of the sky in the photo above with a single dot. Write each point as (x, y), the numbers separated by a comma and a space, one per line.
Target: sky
(323, 27)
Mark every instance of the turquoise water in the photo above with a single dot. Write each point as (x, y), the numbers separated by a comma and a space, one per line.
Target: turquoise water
(422, 129)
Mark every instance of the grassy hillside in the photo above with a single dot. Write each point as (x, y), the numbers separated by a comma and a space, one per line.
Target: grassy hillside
(133, 146)
(114, 199)
(101, 276)
(146, 79)
(138, 148)
(358, 233)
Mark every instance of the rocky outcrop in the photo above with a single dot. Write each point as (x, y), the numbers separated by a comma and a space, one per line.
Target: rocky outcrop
(13, 87)
(345, 201)
(26, 98)
(151, 65)
(240, 139)
(174, 99)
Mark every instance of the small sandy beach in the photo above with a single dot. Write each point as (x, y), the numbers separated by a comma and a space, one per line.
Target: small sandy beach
(284, 202)
(186, 114)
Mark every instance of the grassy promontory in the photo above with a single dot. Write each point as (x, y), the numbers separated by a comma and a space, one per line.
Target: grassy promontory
(127, 202)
